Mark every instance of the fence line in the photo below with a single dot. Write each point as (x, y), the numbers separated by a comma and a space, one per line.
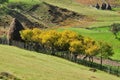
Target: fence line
(36, 47)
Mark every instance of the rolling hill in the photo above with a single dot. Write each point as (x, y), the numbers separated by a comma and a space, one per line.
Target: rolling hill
(62, 14)
(73, 15)
(35, 13)
(28, 65)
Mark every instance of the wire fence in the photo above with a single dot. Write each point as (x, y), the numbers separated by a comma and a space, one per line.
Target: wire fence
(63, 54)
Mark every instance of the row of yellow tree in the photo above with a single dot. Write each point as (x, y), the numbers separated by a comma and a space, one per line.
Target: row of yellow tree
(67, 41)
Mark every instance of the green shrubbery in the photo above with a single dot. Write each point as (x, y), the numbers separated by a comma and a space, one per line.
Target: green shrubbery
(3, 1)
(115, 29)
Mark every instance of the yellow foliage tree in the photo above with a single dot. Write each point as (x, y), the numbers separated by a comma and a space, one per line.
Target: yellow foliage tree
(65, 38)
(36, 34)
(49, 38)
(26, 34)
(63, 41)
(91, 48)
(76, 46)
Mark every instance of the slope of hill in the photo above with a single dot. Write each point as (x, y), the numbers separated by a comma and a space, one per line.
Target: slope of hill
(28, 65)
(35, 13)
(99, 17)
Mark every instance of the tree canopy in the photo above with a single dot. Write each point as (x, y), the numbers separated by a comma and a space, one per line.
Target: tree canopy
(3, 1)
(115, 29)
(67, 41)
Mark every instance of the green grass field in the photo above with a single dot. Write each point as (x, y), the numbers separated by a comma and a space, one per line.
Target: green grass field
(29, 65)
(101, 34)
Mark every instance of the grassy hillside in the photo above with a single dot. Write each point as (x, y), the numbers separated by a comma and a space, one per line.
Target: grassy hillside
(96, 18)
(35, 66)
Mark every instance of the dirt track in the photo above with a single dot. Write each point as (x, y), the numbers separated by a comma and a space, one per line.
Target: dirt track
(105, 61)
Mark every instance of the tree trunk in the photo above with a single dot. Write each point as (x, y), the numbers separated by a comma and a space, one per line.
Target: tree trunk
(84, 58)
(52, 51)
(115, 35)
(89, 59)
(92, 59)
(101, 61)
(75, 56)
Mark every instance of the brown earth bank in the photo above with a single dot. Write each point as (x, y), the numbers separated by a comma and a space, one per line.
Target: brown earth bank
(40, 15)
(93, 2)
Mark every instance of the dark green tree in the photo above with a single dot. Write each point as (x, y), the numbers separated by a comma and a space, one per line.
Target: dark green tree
(3, 1)
(103, 7)
(115, 28)
(105, 51)
(109, 7)
(97, 6)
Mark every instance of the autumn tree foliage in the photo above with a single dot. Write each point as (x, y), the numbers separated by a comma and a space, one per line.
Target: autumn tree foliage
(76, 47)
(65, 38)
(49, 38)
(27, 35)
(91, 48)
(66, 41)
(35, 35)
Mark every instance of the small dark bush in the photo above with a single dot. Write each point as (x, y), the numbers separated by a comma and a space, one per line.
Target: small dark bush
(103, 7)
(3, 1)
(115, 28)
(7, 76)
(93, 69)
(109, 7)
(97, 6)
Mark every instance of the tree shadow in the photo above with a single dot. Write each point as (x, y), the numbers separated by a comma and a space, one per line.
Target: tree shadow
(118, 38)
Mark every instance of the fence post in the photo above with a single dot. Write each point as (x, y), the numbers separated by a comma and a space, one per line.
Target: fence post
(110, 69)
(118, 72)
